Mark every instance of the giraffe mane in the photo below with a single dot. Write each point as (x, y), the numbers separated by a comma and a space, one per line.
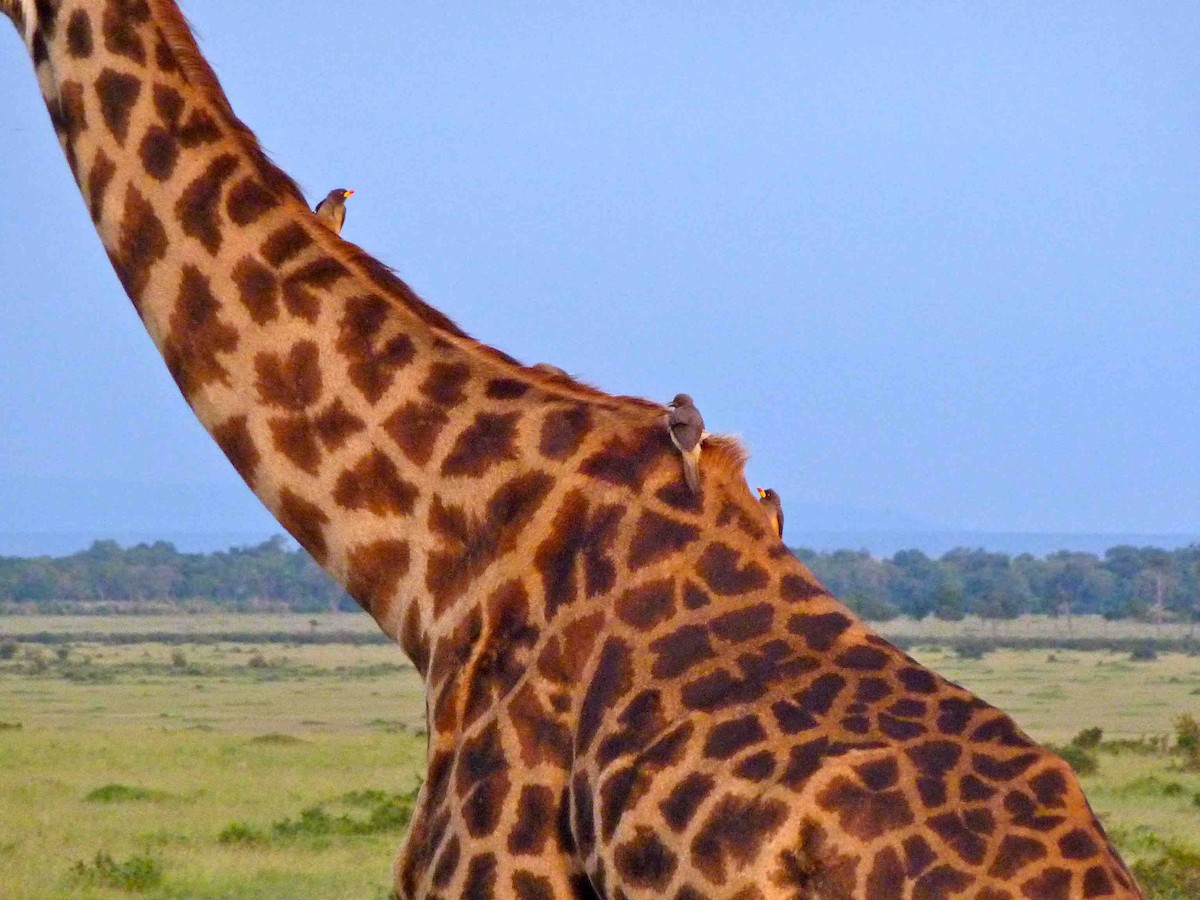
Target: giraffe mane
(726, 454)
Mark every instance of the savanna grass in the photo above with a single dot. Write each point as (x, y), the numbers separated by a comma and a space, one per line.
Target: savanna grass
(199, 776)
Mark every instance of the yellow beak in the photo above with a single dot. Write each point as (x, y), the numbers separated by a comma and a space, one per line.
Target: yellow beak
(762, 495)
(346, 194)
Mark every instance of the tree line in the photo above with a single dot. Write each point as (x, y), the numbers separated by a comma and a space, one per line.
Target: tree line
(1126, 582)
(1145, 583)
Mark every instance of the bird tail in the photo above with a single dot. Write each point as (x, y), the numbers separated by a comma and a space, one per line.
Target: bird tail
(691, 469)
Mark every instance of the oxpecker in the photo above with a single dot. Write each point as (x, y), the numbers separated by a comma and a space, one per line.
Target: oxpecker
(769, 500)
(332, 210)
(686, 427)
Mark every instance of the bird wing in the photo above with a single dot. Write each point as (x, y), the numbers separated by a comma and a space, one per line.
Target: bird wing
(686, 427)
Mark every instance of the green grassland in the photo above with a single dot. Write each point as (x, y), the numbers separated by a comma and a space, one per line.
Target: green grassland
(205, 769)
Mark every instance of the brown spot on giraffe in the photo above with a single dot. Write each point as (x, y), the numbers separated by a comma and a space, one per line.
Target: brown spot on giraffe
(506, 389)
(376, 356)
(376, 570)
(488, 441)
(234, 438)
(69, 117)
(118, 93)
(535, 821)
(510, 636)
(469, 544)
(47, 16)
(564, 430)
(198, 335)
(122, 35)
(648, 605)
(577, 553)
(722, 569)
(291, 382)
(625, 460)
(99, 178)
(374, 483)
(659, 537)
(285, 244)
(415, 427)
(258, 289)
(730, 837)
(249, 200)
(198, 209)
(444, 384)
(305, 521)
(304, 287)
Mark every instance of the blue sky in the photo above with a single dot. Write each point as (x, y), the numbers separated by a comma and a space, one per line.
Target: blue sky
(940, 260)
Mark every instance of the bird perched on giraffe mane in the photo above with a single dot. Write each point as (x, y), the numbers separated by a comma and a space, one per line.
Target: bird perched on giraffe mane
(686, 427)
(769, 500)
(332, 210)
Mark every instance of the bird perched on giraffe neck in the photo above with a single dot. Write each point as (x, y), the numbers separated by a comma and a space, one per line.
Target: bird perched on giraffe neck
(769, 500)
(332, 210)
(686, 427)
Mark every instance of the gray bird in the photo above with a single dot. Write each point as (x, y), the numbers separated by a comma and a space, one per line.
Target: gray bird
(769, 500)
(332, 210)
(686, 427)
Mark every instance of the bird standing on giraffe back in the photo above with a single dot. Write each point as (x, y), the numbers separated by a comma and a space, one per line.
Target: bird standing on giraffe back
(769, 500)
(686, 427)
(332, 210)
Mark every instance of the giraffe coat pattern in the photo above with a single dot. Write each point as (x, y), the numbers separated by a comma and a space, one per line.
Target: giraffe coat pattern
(634, 690)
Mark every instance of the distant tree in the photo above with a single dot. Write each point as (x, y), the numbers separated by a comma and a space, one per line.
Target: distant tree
(1071, 582)
(873, 609)
(915, 584)
(1158, 571)
(949, 605)
(1127, 581)
(997, 605)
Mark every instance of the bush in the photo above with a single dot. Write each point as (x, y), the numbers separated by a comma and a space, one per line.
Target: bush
(384, 813)
(1144, 652)
(973, 648)
(119, 793)
(1083, 762)
(241, 833)
(275, 737)
(8, 649)
(1089, 738)
(1174, 875)
(1187, 741)
(356, 813)
(138, 873)
(1143, 746)
(178, 659)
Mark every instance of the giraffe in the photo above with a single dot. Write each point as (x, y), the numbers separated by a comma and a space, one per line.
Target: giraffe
(633, 689)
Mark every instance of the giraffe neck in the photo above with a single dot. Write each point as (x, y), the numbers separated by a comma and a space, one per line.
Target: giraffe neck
(376, 432)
